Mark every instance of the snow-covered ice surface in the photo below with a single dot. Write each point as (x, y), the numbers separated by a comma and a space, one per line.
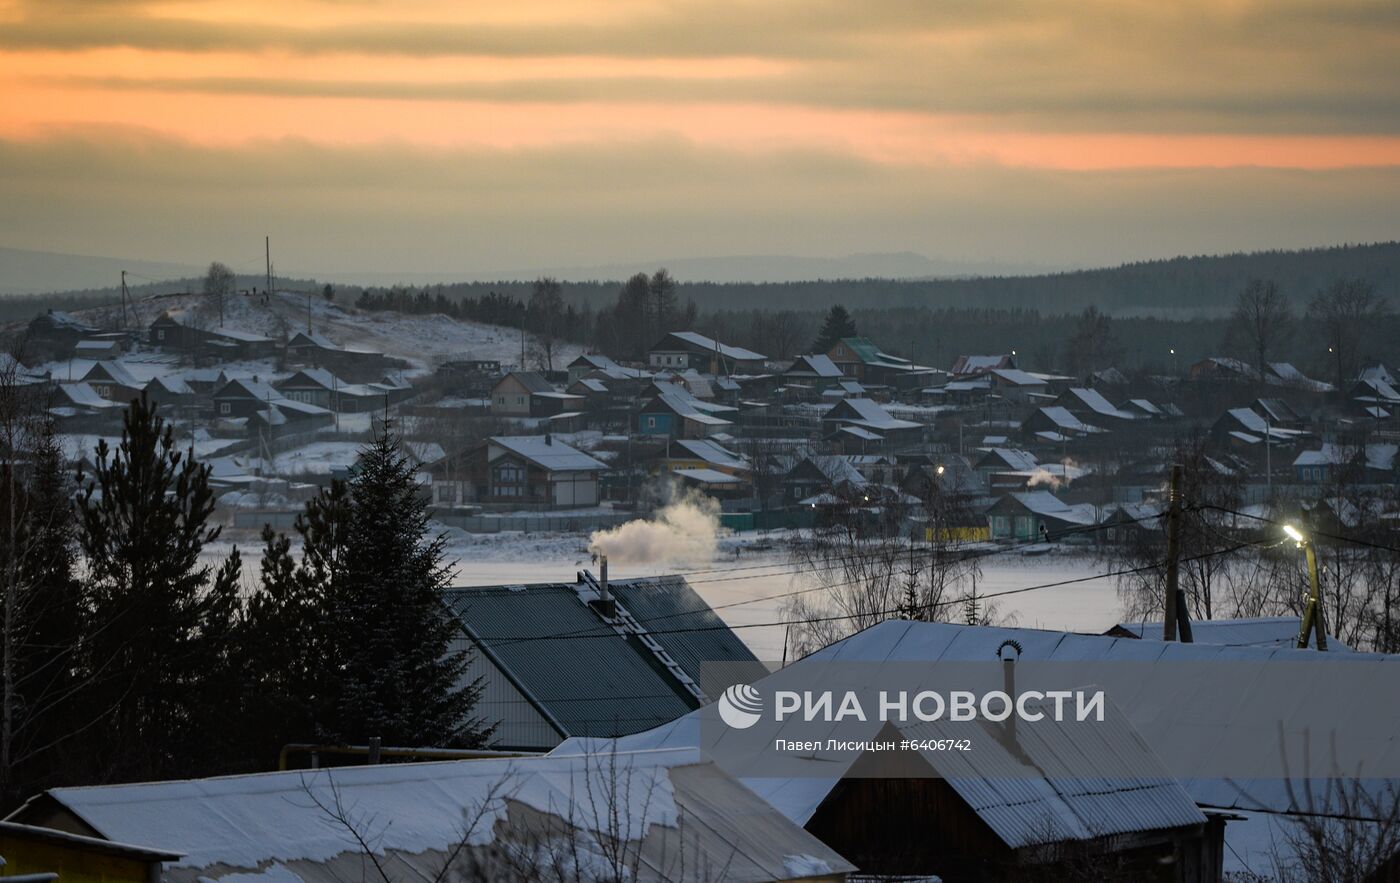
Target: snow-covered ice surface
(749, 591)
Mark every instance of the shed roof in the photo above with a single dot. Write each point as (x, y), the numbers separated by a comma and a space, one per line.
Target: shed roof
(548, 453)
(709, 344)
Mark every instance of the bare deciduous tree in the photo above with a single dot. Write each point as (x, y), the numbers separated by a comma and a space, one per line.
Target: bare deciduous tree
(1346, 310)
(1260, 323)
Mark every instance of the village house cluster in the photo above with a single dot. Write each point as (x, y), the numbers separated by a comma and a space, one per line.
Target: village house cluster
(1029, 454)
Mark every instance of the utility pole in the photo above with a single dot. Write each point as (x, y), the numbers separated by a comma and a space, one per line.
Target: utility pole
(1173, 554)
(1268, 459)
(267, 252)
(124, 300)
(1312, 614)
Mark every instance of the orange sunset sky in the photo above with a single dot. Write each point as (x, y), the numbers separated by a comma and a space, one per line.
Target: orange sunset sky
(468, 137)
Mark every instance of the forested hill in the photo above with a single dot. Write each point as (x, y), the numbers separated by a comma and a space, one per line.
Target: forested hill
(1183, 286)
(1193, 285)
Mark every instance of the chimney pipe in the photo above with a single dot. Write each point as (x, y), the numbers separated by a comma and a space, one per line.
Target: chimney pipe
(1008, 685)
(605, 605)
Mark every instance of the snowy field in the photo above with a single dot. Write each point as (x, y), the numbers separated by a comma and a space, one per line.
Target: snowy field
(748, 591)
(423, 341)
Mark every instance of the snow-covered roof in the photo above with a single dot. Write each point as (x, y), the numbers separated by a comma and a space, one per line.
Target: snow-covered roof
(1260, 631)
(710, 452)
(707, 476)
(1378, 456)
(275, 828)
(239, 335)
(1290, 376)
(1064, 420)
(868, 413)
(315, 338)
(1377, 372)
(1382, 389)
(593, 384)
(172, 384)
(250, 388)
(1253, 422)
(709, 344)
(1048, 505)
(861, 433)
(835, 468)
(84, 395)
(116, 371)
(819, 365)
(1095, 401)
(548, 453)
(533, 381)
(1145, 406)
(317, 376)
(981, 364)
(1017, 377)
(1012, 458)
(1154, 708)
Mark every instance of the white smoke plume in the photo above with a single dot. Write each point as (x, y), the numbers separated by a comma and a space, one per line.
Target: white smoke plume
(1042, 476)
(685, 530)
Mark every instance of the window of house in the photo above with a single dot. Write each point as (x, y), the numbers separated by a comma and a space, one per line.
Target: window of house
(509, 480)
(160, 334)
(651, 423)
(224, 407)
(520, 400)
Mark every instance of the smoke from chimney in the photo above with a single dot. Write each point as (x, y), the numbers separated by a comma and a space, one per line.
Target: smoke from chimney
(683, 531)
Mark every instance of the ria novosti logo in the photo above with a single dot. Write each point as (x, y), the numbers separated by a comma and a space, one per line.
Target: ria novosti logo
(740, 706)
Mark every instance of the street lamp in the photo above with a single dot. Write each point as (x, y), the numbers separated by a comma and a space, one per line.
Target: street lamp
(940, 468)
(1312, 614)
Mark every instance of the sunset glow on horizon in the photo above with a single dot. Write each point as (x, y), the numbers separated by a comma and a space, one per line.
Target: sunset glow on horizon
(890, 91)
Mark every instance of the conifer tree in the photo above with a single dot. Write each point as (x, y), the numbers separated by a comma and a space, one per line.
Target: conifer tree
(400, 678)
(837, 325)
(157, 621)
(45, 622)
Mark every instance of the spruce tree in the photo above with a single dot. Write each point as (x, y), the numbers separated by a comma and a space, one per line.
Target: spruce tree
(401, 679)
(837, 325)
(156, 621)
(44, 622)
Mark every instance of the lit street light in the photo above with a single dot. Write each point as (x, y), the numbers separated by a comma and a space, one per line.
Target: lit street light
(1312, 613)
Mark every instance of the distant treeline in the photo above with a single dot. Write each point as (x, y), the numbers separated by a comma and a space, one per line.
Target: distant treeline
(1193, 285)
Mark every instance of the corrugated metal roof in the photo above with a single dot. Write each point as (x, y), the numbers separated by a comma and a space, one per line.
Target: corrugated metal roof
(667, 604)
(1024, 806)
(904, 641)
(596, 686)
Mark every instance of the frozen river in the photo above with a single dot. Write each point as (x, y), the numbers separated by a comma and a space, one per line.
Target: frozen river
(748, 592)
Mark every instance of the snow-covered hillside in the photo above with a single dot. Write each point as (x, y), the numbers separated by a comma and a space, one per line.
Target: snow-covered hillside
(424, 341)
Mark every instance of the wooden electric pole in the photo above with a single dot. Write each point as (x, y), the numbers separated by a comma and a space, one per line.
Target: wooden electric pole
(1173, 555)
